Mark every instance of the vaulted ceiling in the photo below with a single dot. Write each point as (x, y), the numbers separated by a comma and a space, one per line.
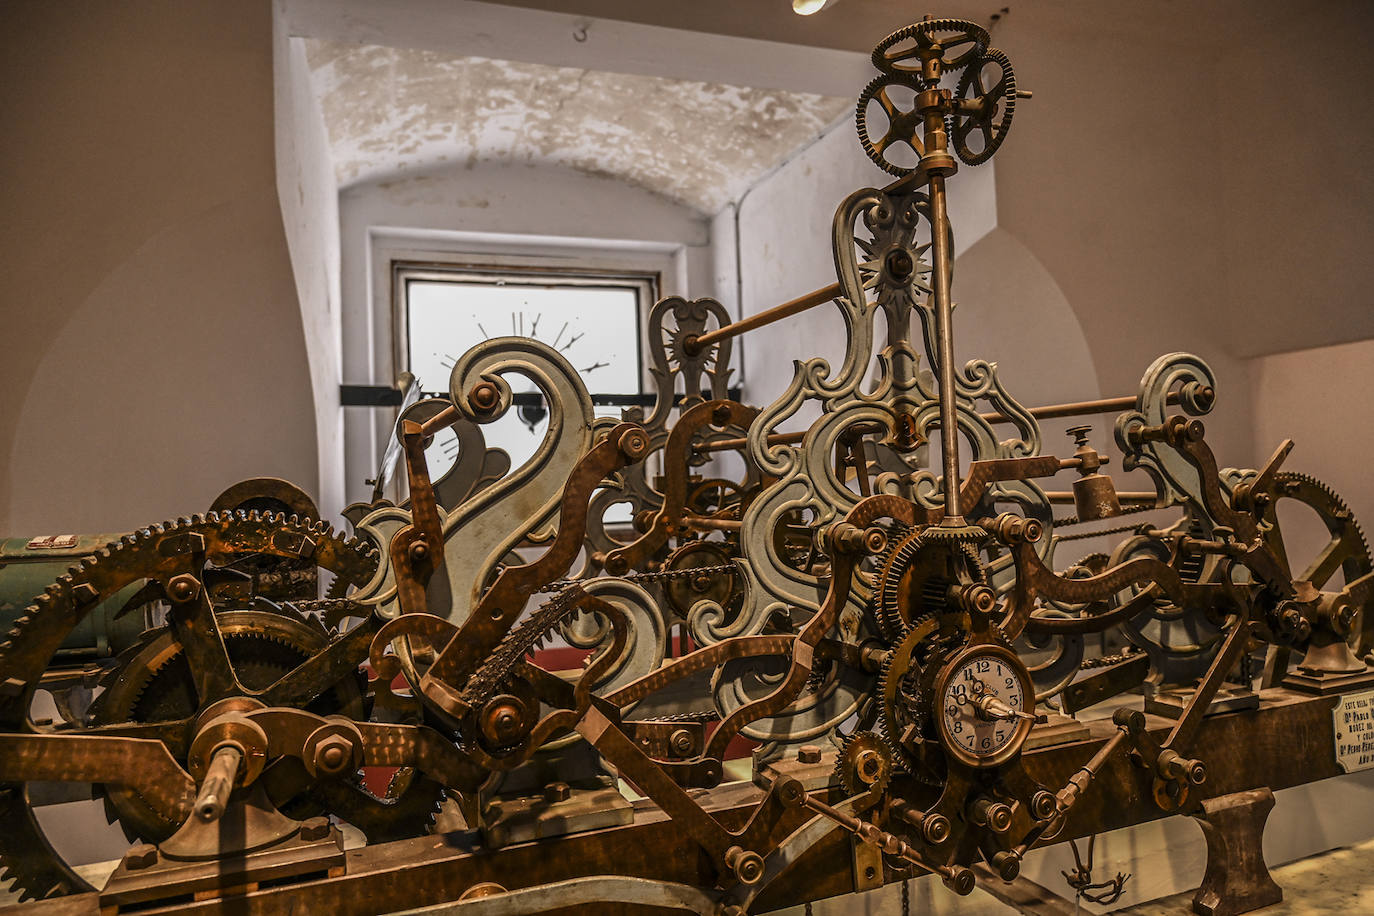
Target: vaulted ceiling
(389, 111)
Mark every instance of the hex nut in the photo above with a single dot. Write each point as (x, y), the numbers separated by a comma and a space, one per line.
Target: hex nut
(809, 753)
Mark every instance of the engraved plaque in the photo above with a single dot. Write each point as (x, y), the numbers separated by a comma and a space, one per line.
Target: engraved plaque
(1354, 720)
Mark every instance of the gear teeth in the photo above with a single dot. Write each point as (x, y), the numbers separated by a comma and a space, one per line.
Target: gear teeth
(34, 635)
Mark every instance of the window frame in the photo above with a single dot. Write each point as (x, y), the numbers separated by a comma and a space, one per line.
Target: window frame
(646, 284)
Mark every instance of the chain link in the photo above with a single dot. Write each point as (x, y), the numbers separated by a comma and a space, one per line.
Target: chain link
(658, 576)
(1106, 661)
(1081, 535)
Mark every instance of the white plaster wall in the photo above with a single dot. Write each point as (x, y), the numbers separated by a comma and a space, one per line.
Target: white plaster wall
(1320, 398)
(310, 213)
(153, 342)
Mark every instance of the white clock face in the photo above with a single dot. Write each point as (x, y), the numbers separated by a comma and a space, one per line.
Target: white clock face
(970, 730)
(596, 328)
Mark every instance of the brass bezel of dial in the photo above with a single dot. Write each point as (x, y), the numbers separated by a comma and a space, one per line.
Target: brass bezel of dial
(1021, 697)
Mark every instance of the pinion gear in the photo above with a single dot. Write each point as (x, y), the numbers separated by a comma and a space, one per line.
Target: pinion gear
(864, 764)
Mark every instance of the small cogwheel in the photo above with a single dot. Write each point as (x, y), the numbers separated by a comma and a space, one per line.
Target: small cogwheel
(958, 42)
(984, 101)
(864, 764)
(895, 95)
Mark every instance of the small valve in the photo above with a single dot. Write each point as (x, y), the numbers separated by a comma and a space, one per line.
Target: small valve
(1094, 494)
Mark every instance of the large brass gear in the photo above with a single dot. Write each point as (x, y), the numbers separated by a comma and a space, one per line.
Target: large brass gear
(1347, 550)
(153, 683)
(25, 854)
(904, 691)
(912, 581)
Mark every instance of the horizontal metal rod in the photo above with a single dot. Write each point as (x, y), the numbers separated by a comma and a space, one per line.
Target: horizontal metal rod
(1129, 496)
(1079, 408)
(1076, 409)
(695, 344)
(712, 524)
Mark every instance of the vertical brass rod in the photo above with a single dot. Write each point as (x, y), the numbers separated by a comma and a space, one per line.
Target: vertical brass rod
(944, 336)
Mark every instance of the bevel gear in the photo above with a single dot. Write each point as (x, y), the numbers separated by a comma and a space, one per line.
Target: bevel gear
(959, 41)
(26, 652)
(864, 764)
(986, 109)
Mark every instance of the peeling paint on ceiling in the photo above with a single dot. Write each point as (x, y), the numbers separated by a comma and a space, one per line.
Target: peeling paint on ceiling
(390, 111)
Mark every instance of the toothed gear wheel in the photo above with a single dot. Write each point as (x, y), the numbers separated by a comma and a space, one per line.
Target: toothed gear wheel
(959, 41)
(985, 101)
(1346, 550)
(904, 685)
(913, 581)
(864, 764)
(903, 124)
(27, 649)
(152, 682)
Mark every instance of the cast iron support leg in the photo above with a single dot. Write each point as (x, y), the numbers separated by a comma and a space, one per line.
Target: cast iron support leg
(1237, 880)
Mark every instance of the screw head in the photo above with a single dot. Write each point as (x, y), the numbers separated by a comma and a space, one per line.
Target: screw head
(809, 753)
(484, 397)
(681, 741)
(557, 792)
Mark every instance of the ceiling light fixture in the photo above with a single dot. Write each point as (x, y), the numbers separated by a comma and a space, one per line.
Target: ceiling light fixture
(807, 7)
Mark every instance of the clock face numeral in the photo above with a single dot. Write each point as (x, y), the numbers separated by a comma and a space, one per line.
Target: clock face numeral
(976, 678)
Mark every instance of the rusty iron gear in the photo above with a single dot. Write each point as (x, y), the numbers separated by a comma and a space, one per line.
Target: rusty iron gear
(26, 856)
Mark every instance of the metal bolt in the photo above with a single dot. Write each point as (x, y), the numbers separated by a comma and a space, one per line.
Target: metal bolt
(484, 397)
(681, 741)
(418, 551)
(333, 755)
(316, 828)
(809, 753)
(183, 588)
(140, 856)
(634, 444)
(899, 264)
(557, 792)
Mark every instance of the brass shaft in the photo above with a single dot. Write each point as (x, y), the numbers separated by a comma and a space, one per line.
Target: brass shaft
(944, 338)
(220, 777)
(695, 345)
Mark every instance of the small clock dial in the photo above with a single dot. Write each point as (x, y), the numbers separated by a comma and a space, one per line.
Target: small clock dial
(984, 707)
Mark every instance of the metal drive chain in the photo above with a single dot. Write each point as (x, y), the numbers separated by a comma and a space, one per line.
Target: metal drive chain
(1081, 535)
(519, 641)
(1106, 661)
(659, 576)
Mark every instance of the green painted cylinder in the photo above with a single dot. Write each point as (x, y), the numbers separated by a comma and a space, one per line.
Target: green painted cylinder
(29, 565)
